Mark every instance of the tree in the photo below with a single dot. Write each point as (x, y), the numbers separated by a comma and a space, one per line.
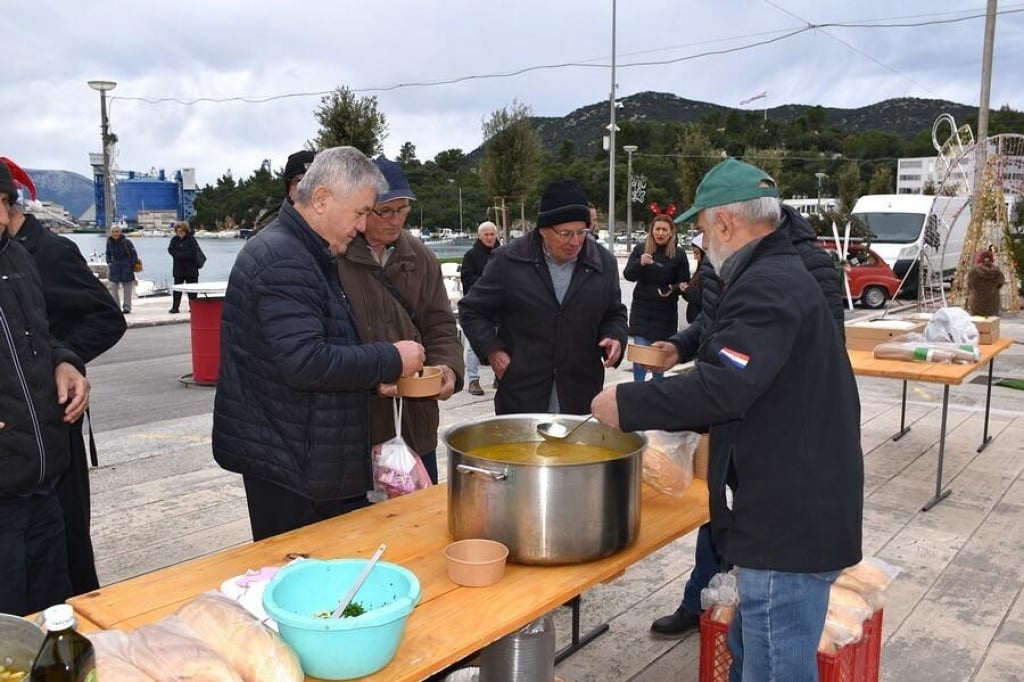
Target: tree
(512, 153)
(450, 160)
(349, 120)
(847, 188)
(696, 159)
(407, 155)
(881, 180)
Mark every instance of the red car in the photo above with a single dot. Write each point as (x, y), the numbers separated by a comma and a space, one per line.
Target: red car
(872, 281)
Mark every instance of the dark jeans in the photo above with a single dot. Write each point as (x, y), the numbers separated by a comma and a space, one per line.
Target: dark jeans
(706, 563)
(176, 296)
(33, 554)
(73, 491)
(274, 510)
(430, 464)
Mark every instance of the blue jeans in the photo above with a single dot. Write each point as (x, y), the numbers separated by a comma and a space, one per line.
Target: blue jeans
(472, 366)
(640, 372)
(706, 563)
(774, 636)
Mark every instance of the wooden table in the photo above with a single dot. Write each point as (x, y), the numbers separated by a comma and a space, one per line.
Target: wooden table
(450, 622)
(866, 364)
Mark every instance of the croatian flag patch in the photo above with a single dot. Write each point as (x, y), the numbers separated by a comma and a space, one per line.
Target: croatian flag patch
(738, 359)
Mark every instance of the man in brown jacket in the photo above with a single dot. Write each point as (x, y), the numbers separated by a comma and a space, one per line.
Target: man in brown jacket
(397, 292)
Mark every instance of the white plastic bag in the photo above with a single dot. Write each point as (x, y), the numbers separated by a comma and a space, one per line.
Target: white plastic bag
(951, 325)
(397, 470)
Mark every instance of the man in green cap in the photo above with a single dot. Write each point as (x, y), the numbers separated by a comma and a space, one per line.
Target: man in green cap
(774, 385)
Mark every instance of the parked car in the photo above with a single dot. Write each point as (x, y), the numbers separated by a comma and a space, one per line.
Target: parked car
(872, 282)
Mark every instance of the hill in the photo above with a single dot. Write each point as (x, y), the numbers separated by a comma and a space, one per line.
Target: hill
(72, 190)
(584, 127)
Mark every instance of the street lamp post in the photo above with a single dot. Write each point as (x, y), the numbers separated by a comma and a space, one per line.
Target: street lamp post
(452, 181)
(821, 176)
(108, 190)
(611, 147)
(629, 149)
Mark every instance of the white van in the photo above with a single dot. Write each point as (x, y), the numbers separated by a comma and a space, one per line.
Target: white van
(900, 225)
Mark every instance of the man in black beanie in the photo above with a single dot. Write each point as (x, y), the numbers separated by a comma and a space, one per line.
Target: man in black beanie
(547, 313)
(294, 169)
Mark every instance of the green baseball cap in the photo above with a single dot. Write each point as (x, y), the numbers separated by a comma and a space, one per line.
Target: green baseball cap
(729, 182)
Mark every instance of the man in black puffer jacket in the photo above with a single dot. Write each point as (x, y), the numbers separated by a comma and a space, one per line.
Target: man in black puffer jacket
(84, 318)
(291, 411)
(42, 390)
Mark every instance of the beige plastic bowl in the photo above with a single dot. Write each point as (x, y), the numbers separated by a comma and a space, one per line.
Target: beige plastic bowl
(646, 355)
(424, 384)
(475, 562)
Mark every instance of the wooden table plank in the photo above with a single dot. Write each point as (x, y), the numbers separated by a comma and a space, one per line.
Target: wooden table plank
(866, 364)
(451, 622)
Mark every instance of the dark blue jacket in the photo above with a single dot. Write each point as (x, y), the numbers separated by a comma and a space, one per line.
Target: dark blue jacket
(34, 440)
(512, 307)
(121, 257)
(651, 315)
(774, 381)
(293, 391)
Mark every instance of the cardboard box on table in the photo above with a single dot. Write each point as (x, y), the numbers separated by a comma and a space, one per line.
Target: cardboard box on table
(867, 335)
(988, 327)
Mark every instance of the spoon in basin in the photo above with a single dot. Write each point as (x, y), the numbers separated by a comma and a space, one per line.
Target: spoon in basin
(360, 579)
(558, 430)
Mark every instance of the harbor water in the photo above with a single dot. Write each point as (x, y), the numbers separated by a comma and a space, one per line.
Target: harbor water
(220, 255)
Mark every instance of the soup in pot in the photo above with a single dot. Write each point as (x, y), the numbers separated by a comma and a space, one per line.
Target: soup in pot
(544, 453)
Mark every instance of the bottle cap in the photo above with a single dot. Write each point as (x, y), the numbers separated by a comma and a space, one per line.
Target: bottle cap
(59, 617)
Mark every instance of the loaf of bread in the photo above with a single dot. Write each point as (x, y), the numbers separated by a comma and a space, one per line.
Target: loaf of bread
(113, 657)
(255, 651)
(170, 651)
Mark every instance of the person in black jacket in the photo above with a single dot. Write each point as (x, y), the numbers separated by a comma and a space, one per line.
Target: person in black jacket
(292, 407)
(473, 264)
(547, 312)
(786, 491)
(84, 318)
(187, 259)
(42, 389)
(694, 289)
(660, 269)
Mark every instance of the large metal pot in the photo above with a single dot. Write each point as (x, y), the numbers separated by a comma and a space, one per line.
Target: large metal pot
(549, 513)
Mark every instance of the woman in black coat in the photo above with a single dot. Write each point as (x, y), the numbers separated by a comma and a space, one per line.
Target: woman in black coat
(660, 269)
(184, 249)
(693, 290)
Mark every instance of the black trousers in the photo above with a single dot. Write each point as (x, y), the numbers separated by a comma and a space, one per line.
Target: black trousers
(76, 505)
(33, 556)
(176, 296)
(274, 510)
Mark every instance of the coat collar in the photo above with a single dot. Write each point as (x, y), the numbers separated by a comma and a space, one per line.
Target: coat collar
(293, 222)
(359, 250)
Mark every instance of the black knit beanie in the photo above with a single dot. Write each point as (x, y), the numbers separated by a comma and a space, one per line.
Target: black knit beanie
(298, 164)
(563, 201)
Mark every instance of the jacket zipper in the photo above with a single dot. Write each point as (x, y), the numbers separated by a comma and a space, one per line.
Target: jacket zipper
(28, 396)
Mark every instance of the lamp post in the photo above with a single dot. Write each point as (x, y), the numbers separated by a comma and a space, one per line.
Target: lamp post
(452, 180)
(821, 176)
(629, 149)
(611, 147)
(108, 189)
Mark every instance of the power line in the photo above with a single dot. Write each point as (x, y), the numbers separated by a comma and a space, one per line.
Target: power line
(808, 26)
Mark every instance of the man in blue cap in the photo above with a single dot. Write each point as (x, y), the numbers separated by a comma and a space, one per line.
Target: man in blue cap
(774, 383)
(397, 292)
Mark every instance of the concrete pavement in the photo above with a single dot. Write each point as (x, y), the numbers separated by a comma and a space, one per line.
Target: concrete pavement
(956, 612)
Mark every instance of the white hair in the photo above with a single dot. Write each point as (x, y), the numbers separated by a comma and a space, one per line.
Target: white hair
(487, 224)
(344, 170)
(760, 210)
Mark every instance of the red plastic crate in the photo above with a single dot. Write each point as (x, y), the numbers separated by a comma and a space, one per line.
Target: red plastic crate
(853, 663)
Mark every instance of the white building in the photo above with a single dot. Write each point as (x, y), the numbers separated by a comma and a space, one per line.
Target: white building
(914, 175)
(812, 206)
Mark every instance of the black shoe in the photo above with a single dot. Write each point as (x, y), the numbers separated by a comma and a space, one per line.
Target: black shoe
(173, 311)
(126, 312)
(474, 388)
(680, 622)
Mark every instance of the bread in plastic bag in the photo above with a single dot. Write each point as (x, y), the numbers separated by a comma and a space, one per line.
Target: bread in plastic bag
(870, 575)
(113, 657)
(951, 325)
(668, 460)
(171, 651)
(255, 651)
(917, 348)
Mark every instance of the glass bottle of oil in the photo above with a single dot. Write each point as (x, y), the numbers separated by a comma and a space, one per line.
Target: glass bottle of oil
(66, 655)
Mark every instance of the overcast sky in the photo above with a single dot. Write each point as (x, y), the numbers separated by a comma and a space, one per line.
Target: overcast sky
(189, 49)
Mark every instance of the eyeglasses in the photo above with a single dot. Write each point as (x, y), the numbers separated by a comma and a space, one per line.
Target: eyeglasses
(569, 234)
(389, 213)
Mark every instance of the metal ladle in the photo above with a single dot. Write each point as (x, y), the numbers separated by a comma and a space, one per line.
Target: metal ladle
(558, 430)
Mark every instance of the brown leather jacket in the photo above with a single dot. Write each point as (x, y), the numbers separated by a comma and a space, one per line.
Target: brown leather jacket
(414, 271)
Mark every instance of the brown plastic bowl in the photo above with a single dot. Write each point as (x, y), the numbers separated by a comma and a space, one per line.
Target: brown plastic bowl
(475, 562)
(646, 355)
(424, 384)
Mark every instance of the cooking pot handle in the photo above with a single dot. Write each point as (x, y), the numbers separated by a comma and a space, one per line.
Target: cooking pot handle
(496, 475)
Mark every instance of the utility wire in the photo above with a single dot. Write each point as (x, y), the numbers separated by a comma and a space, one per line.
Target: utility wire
(808, 26)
